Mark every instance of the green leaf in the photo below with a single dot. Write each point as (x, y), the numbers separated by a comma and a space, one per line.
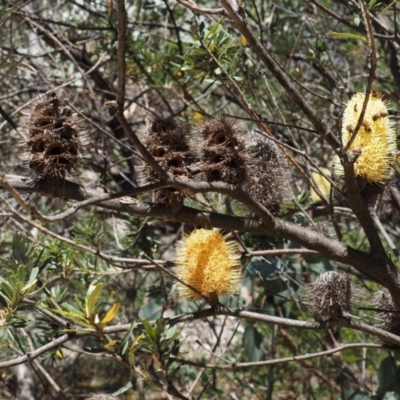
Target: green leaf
(153, 308)
(339, 35)
(151, 332)
(92, 296)
(125, 339)
(124, 389)
(252, 343)
(388, 376)
(31, 281)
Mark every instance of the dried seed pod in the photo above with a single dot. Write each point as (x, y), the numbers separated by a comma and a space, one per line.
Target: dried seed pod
(374, 144)
(267, 174)
(329, 296)
(221, 145)
(210, 263)
(386, 320)
(53, 139)
(167, 141)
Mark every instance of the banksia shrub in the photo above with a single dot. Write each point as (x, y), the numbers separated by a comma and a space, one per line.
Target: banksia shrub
(267, 177)
(329, 296)
(167, 141)
(374, 144)
(209, 262)
(386, 320)
(53, 139)
(221, 145)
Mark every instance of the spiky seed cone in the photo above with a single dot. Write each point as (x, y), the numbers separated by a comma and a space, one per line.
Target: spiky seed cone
(167, 141)
(386, 320)
(267, 174)
(221, 146)
(329, 296)
(53, 139)
(375, 140)
(210, 263)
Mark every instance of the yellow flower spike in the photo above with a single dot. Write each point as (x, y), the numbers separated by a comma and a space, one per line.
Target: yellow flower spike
(210, 263)
(376, 139)
(198, 116)
(322, 183)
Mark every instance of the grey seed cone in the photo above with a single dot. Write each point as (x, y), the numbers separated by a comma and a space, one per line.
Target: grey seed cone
(267, 174)
(330, 295)
(385, 319)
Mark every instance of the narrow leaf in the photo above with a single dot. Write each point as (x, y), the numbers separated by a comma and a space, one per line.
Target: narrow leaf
(92, 296)
(112, 312)
(339, 35)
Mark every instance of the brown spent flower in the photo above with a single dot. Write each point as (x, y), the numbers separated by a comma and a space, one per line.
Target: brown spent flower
(386, 320)
(267, 174)
(53, 139)
(329, 296)
(221, 145)
(167, 141)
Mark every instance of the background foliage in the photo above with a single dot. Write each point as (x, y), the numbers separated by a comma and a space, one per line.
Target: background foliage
(92, 283)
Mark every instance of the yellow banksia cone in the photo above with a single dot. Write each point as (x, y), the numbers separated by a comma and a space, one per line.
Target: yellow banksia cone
(210, 263)
(376, 139)
(322, 183)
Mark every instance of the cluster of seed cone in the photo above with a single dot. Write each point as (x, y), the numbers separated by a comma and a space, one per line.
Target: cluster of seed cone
(224, 152)
(167, 140)
(250, 160)
(329, 296)
(53, 139)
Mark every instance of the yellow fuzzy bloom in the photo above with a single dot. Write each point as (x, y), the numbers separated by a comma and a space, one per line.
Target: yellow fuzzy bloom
(376, 139)
(210, 263)
(322, 183)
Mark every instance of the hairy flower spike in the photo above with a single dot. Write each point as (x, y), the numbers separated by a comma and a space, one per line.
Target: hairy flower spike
(375, 140)
(329, 296)
(210, 263)
(386, 320)
(167, 141)
(53, 139)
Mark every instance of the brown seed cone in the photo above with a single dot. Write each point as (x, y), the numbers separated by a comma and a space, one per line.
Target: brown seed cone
(167, 141)
(221, 145)
(53, 139)
(386, 320)
(267, 174)
(329, 296)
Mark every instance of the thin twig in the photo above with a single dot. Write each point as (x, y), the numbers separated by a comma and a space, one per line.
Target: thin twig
(236, 366)
(201, 10)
